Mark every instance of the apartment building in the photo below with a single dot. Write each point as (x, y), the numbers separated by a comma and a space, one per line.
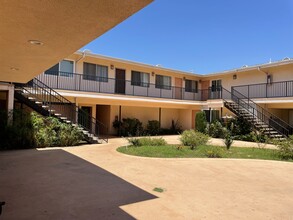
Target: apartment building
(110, 88)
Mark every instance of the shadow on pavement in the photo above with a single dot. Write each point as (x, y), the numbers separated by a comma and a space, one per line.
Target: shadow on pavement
(55, 184)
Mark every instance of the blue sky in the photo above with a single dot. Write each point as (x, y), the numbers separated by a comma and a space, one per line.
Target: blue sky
(203, 36)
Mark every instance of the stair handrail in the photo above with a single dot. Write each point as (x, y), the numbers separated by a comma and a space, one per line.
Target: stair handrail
(263, 109)
(45, 88)
(244, 104)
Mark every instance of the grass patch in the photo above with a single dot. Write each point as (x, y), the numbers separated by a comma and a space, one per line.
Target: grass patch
(173, 151)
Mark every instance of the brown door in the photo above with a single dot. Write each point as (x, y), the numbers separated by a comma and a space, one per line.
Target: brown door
(205, 90)
(178, 88)
(120, 81)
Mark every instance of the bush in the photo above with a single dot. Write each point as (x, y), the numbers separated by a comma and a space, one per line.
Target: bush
(134, 141)
(153, 127)
(214, 153)
(147, 141)
(240, 126)
(216, 130)
(131, 127)
(17, 135)
(253, 137)
(228, 141)
(285, 148)
(50, 132)
(193, 139)
(32, 130)
(201, 121)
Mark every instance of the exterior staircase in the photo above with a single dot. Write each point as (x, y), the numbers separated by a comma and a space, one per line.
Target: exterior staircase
(260, 118)
(48, 102)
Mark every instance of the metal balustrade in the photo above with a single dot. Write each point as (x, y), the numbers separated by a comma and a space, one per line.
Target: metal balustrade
(45, 100)
(266, 90)
(87, 83)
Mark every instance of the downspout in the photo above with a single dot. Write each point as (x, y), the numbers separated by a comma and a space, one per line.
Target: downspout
(82, 57)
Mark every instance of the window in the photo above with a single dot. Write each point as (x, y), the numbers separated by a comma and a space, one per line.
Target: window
(140, 79)
(95, 72)
(64, 68)
(212, 115)
(163, 82)
(191, 86)
(216, 85)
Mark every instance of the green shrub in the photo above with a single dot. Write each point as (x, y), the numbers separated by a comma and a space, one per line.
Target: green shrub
(193, 139)
(240, 126)
(216, 130)
(214, 153)
(228, 141)
(153, 127)
(200, 121)
(50, 132)
(285, 148)
(134, 141)
(131, 127)
(147, 141)
(16, 135)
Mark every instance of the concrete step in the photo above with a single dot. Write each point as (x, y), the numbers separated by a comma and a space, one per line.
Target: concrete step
(38, 102)
(31, 98)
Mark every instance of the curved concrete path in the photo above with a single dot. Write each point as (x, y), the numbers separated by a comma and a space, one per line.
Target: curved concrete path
(97, 182)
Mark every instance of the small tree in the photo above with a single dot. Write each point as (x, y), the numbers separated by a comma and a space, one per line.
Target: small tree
(201, 121)
(193, 139)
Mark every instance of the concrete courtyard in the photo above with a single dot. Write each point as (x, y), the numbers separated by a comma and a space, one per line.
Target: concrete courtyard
(97, 182)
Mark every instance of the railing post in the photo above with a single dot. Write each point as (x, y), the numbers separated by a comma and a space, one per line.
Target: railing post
(286, 88)
(79, 82)
(248, 92)
(58, 81)
(160, 92)
(266, 90)
(99, 86)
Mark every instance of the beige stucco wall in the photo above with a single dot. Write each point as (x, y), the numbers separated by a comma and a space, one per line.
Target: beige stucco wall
(128, 67)
(278, 73)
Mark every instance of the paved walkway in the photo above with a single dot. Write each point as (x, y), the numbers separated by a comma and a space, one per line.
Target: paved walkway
(97, 182)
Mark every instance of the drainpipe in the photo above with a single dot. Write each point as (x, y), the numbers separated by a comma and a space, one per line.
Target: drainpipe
(83, 55)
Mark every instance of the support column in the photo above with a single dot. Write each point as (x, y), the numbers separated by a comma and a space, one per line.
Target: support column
(94, 109)
(160, 116)
(120, 119)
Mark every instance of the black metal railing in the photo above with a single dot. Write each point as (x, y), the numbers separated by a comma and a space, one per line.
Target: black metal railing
(55, 103)
(87, 83)
(256, 111)
(266, 90)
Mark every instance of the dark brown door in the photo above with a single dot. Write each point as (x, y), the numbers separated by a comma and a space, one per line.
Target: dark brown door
(120, 81)
(205, 90)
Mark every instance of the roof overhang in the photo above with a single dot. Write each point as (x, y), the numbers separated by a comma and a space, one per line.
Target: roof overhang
(62, 27)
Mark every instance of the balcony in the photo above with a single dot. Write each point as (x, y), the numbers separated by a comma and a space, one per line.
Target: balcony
(266, 90)
(86, 83)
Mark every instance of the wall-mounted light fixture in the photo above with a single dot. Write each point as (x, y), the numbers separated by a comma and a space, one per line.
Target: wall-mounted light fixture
(234, 76)
(112, 66)
(199, 81)
(184, 78)
(153, 73)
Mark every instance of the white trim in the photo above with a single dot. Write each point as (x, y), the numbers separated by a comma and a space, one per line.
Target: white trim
(227, 72)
